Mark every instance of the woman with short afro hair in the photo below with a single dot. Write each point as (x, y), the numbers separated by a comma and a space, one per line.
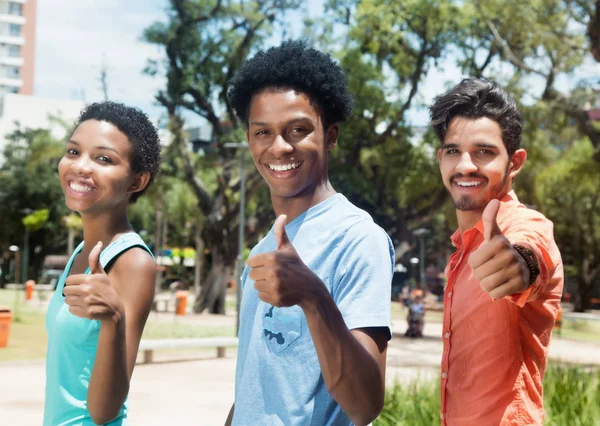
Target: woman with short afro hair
(97, 314)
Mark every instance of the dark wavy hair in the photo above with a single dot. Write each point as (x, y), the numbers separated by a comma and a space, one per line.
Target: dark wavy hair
(138, 128)
(477, 98)
(296, 66)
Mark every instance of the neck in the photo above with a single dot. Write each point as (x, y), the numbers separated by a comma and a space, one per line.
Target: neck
(294, 206)
(103, 227)
(467, 219)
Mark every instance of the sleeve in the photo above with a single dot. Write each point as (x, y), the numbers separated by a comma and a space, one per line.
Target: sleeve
(535, 233)
(363, 277)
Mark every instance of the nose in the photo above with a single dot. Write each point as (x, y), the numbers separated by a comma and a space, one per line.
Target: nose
(465, 164)
(82, 166)
(281, 147)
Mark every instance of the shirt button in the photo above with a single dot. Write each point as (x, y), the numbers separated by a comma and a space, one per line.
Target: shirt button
(447, 335)
(444, 375)
(449, 294)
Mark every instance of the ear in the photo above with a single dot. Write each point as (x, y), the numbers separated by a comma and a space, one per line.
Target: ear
(331, 136)
(140, 182)
(516, 162)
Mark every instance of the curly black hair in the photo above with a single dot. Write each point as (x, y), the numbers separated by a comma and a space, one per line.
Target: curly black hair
(138, 128)
(477, 98)
(296, 66)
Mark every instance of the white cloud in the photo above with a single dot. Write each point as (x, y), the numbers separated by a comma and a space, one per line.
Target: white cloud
(73, 36)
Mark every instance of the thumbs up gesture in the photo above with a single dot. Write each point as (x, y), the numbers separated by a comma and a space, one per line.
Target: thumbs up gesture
(280, 276)
(499, 268)
(92, 296)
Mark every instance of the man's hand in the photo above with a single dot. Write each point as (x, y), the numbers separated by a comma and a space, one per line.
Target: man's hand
(280, 276)
(499, 268)
(93, 296)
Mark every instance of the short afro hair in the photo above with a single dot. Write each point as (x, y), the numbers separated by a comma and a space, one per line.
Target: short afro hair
(138, 128)
(295, 66)
(476, 98)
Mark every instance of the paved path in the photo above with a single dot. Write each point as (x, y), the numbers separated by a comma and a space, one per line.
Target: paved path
(200, 392)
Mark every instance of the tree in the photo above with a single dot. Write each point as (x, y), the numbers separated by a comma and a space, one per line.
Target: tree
(29, 182)
(380, 163)
(205, 42)
(543, 39)
(569, 194)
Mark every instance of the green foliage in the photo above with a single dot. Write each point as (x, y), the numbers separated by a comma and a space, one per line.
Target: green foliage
(571, 397)
(417, 403)
(29, 181)
(569, 194)
(36, 220)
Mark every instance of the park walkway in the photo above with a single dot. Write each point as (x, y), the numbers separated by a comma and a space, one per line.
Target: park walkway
(200, 391)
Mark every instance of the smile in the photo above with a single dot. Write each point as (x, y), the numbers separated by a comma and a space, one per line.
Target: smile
(284, 167)
(469, 184)
(78, 187)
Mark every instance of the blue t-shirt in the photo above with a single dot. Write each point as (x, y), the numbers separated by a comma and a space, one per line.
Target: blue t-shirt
(72, 345)
(278, 376)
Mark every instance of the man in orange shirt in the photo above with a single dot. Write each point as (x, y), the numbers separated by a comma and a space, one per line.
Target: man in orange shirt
(505, 279)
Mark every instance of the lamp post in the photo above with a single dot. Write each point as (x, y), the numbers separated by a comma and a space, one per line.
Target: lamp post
(242, 146)
(16, 251)
(421, 232)
(25, 259)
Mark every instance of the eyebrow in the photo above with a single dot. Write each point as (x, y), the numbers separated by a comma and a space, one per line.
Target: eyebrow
(478, 145)
(107, 148)
(295, 120)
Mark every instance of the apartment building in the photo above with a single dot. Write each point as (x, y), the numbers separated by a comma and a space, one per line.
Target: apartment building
(17, 46)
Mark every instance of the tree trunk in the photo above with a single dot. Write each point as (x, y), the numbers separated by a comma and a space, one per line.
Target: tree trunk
(199, 261)
(157, 246)
(212, 294)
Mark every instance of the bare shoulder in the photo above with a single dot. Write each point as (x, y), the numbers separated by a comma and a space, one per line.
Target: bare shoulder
(133, 265)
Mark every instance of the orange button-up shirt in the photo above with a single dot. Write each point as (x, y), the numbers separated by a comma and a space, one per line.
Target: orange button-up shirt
(495, 352)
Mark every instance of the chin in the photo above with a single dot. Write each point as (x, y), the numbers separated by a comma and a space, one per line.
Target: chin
(469, 204)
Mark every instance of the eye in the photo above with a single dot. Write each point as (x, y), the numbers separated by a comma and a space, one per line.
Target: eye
(451, 151)
(72, 151)
(297, 130)
(261, 132)
(484, 152)
(104, 159)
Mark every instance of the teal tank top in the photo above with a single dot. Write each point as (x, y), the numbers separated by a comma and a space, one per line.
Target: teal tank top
(72, 345)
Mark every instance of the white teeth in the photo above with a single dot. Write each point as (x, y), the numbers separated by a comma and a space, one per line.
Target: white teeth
(80, 188)
(284, 167)
(469, 183)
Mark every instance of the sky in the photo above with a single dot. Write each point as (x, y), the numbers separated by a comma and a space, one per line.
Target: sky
(74, 39)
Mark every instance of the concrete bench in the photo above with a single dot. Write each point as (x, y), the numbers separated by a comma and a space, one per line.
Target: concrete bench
(149, 346)
(581, 316)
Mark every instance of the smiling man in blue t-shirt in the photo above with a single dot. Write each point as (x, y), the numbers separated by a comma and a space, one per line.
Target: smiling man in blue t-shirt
(315, 310)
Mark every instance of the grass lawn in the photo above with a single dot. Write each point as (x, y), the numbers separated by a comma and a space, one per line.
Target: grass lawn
(28, 339)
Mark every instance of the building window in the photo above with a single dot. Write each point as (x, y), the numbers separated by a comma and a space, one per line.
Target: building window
(14, 51)
(14, 72)
(14, 30)
(15, 9)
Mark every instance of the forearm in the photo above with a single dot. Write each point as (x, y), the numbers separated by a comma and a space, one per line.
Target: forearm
(230, 416)
(109, 384)
(351, 374)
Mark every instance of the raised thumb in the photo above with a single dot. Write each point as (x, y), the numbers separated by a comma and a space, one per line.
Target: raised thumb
(94, 259)
(490, 220)
(279, 229)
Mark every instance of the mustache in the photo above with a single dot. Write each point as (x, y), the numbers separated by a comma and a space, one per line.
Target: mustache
(470, 175)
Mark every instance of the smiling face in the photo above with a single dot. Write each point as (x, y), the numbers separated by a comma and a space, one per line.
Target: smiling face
(288, 144)
(474, 163)
(95, 172)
